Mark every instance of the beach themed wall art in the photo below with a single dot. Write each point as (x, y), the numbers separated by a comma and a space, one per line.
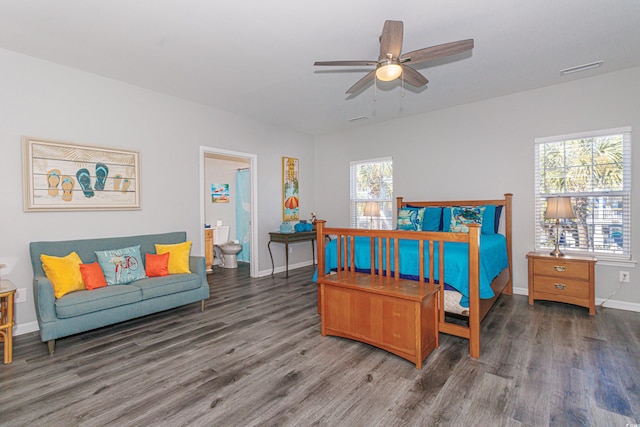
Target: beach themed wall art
(220, 193)
(290, 192)
(66, 176)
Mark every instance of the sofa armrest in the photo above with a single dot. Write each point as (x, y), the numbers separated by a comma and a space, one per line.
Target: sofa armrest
(44, 299)
(197, 266)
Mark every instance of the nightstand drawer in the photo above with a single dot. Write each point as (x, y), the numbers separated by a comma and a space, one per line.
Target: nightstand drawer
(561, 286)
(561, 268)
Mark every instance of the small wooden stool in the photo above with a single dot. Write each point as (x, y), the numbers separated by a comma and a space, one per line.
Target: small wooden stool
(7, 292)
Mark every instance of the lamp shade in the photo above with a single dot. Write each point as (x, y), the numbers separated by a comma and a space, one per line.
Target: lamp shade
(388, 72)
(371, 209)
(559, 208)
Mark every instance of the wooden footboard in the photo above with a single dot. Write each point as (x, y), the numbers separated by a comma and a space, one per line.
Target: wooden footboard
(382, 242)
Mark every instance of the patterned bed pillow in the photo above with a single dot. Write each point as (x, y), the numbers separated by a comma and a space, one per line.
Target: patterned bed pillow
(121, 266)
(410, 219)
(461, 216)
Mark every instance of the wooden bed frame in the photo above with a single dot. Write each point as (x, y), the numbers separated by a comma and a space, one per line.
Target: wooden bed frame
(383, 281)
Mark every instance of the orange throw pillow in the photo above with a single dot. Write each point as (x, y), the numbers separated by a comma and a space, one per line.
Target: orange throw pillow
(92, 275)
(157, 265)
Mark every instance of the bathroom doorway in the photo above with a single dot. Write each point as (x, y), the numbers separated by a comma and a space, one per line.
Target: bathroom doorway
(229, 198)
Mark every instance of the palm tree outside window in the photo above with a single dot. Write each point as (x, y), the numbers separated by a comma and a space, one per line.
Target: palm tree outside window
(594, 169)
(372, 182)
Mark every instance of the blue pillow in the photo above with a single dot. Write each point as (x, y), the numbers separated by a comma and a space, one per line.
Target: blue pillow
(496, 224)
(445, 223)
(432, 217)
(410, 219)
(462, 216)
(121, 266)
(489, 220)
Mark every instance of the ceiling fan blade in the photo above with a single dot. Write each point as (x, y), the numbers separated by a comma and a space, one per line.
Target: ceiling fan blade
(413, 77)
(362, 82)
(439, 51)
(345, 63)
(391, 39)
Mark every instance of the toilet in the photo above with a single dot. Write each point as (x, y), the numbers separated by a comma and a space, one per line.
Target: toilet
(229, 249)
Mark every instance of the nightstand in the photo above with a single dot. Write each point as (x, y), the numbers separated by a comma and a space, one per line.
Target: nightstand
(568, 279)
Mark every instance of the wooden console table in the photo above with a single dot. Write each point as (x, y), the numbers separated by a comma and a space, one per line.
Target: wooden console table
(286, 238)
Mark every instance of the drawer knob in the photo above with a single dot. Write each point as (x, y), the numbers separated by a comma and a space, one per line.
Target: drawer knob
(559, 286)
(559, 268)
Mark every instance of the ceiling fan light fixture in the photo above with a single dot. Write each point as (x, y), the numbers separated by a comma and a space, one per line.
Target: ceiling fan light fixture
(388, 71)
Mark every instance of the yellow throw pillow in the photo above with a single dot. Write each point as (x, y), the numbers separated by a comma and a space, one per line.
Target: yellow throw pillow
(64, 273)
(178, 256)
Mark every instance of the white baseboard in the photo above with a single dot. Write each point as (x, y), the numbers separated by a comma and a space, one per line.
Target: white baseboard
(620, 305)
(282, 269)
(25, 328)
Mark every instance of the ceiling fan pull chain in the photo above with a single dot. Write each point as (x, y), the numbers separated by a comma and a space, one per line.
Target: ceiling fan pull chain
(375, 85)
(403, 85)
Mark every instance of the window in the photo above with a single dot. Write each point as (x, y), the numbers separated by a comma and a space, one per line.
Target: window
(594, 169)
(371, 194)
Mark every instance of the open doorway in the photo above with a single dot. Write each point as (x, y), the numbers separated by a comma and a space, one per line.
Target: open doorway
(221, 169)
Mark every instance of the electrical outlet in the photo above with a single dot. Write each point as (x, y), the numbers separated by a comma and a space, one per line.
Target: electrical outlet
(624, 277)
(290, 250)
(21, 295)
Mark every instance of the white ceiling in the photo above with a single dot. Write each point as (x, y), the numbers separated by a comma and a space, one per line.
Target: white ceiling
(255, 58)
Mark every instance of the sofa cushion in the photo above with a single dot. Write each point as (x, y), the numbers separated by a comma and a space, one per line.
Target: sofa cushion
(64, 273)
(178, 256)
(83, 302)
(166, 285)
(122, 265)
(92, 275)
(157, 265)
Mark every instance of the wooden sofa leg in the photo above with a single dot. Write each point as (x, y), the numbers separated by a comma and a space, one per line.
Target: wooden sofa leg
(51, 346)
(202, 305)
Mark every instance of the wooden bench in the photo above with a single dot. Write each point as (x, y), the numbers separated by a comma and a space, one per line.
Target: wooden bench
(397, 315)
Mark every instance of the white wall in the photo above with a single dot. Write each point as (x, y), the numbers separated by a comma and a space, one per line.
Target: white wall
(485, 149)
(42, 99)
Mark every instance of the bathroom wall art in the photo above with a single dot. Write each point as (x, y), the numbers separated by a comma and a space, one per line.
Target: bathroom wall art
(220, 193)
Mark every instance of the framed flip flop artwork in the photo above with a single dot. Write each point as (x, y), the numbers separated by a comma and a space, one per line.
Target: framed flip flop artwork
(66, 176)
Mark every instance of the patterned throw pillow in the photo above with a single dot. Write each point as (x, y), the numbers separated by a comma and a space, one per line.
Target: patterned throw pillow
(410, 219)
(461, 216)
(121, 266)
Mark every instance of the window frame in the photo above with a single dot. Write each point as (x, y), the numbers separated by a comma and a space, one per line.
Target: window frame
(356, 203)
(624, 196)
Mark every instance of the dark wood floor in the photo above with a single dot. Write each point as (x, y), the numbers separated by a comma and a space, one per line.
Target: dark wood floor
(256, 357)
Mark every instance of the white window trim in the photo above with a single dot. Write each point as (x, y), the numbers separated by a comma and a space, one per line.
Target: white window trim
(621, 260)
(352, 200)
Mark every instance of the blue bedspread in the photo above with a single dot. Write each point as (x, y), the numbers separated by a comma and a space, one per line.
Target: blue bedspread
(493, 259)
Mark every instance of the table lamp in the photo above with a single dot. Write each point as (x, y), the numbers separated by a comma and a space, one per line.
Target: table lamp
(558, 207)
(371, 209)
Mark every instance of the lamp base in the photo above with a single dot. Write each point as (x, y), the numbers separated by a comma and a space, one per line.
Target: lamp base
(556, 252)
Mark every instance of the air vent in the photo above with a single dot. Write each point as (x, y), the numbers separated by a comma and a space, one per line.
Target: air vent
(579, 68)
(358, 119)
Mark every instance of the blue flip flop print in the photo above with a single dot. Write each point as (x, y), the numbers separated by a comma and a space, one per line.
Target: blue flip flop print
(101, 176)
(84, 179)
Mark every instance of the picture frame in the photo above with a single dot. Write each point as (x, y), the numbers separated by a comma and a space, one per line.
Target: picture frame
(63, 176)
(290, 189)
(220, 193)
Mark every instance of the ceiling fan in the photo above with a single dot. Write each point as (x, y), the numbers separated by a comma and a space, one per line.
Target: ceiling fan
(391, 64)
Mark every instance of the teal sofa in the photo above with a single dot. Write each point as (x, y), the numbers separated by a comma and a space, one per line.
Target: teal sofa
(84, 310)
